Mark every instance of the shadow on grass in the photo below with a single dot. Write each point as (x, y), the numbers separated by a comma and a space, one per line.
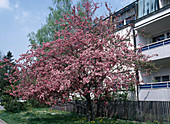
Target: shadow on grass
(56, 119)
(41, 116)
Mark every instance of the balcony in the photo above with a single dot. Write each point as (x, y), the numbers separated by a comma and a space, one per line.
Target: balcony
(161, 48)
(149, 7)
(154, 23)
(155, 85)
(157, 44)
(158, 91)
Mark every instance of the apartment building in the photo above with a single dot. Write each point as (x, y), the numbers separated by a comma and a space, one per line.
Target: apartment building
(154, 21)
(151, 19)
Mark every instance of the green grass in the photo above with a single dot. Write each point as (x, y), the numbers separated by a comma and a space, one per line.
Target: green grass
(45, 116)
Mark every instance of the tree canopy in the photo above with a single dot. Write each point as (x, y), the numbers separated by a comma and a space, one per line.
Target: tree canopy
(86, 61)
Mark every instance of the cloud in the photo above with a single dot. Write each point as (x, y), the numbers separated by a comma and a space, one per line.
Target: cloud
(26, 29)
(4, 4)
(16, 5)
(22, 16)
(25, 14)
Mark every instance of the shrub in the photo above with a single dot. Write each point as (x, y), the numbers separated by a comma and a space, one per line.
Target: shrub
(37, 104)
(12, 105)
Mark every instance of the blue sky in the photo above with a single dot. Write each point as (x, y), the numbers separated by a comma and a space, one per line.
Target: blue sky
(20, 17)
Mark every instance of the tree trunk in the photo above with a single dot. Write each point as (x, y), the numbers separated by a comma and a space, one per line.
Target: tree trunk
(90, 113)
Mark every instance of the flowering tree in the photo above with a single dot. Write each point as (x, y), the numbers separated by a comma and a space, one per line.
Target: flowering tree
(87, 60)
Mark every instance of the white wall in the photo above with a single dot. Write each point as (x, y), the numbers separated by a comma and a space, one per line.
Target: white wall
(142, 39)
(124, 32)
(146, 79)
(162, 94)
(164, 70)
(156, 94)
(162, 51)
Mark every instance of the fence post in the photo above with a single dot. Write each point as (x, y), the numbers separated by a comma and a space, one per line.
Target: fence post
(136, 110)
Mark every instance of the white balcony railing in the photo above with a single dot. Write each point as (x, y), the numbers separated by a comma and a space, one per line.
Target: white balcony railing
(156, 44)
(155, 85)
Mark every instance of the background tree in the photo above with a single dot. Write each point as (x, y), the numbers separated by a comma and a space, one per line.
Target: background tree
(6, 69)
(1, 55)
(86, 61)
(47, 32)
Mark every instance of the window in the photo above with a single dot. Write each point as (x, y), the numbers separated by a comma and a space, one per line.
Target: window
(158, 38)
(125, 17)
(158, 79)
(165, 78)
(168, 35)
(165, 2)
(162, 78)
(129, 19)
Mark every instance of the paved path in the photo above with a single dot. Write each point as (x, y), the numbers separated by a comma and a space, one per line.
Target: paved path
(1, 121)
(1, 107)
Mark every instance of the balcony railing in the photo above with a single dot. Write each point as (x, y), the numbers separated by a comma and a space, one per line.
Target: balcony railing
(156, 44)
(155, 85)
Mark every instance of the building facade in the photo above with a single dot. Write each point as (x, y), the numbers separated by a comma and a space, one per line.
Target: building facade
(151, 23)
(154, 21)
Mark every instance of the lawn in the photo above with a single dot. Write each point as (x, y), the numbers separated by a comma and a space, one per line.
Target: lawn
(45, 116)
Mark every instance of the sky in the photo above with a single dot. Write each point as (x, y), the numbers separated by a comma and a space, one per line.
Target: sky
(18, 18)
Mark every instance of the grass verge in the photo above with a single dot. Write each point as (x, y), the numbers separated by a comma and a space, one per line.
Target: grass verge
(45, 116)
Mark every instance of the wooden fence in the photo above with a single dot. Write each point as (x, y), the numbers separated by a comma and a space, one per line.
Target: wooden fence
(132, 110)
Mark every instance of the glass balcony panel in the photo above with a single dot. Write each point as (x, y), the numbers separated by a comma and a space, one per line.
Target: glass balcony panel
(155, 85)
(156, 44)
(147, 6)
(159, 85)
(145, 86)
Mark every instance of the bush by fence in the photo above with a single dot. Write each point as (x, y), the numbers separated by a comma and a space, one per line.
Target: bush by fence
(131, 110)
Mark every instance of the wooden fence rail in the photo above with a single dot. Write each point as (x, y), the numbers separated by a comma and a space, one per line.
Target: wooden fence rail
(131, 110)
